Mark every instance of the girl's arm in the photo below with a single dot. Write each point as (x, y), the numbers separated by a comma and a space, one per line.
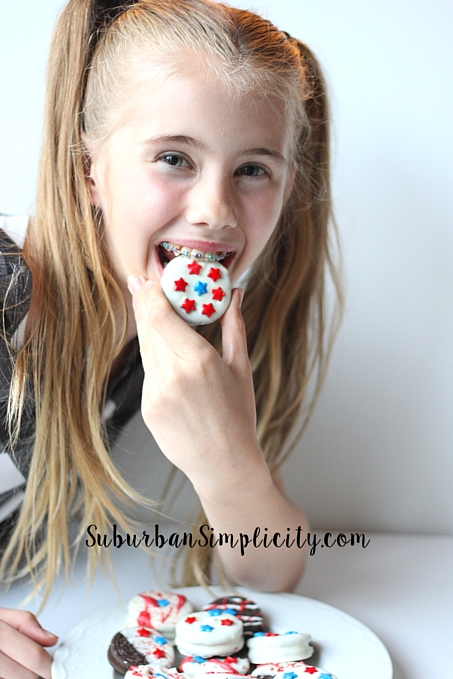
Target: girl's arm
(200, 408)
(21, 646)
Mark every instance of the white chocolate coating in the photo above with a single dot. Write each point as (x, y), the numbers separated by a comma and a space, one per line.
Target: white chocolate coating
(301, 673)
(199, 292)
(271, 669)
(208, 634)
(146, 671)
(194, 666)
(275, 648)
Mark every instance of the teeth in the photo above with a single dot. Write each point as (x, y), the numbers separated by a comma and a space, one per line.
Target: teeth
(180, 250)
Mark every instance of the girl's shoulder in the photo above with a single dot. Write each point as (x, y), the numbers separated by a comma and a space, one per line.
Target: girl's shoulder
(15, 276)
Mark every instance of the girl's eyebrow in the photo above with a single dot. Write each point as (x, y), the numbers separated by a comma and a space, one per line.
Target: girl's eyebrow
(263, 151)
(196, 143)
(176, 139)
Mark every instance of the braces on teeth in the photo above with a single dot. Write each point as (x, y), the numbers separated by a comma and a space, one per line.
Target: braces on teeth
(180, 250)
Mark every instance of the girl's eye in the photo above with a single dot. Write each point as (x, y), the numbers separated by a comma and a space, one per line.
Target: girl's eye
(174, 160)
(252, 170)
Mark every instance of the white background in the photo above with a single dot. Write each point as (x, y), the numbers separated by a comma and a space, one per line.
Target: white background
(378, 452)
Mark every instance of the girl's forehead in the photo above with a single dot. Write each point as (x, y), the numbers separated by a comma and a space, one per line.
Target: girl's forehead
(195, 98)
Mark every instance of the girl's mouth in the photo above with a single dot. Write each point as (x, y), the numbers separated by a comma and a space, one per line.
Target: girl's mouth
(168, 251)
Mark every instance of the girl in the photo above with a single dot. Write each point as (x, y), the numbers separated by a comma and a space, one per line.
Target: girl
(183, 122)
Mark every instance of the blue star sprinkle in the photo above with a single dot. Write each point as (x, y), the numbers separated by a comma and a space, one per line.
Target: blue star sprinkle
(258, 634)
(215, 611)
(206, 628)
(289, 675)
(198, 658)
(160, 640)
(162, 602)
(201, 288)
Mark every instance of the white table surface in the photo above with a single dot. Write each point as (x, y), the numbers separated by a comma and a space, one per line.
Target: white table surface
(400, 586)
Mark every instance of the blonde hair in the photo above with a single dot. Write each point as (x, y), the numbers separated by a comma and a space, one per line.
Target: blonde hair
(73, 332)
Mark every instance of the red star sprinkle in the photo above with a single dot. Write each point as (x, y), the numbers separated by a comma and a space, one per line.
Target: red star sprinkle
(214, 274)
(159, 653)
(188, 305)
(217, 293)
(208, 310)
(190, 620)
(181, 285)
(194, 267)
(310, 670)
(143, 632)
(227, 622)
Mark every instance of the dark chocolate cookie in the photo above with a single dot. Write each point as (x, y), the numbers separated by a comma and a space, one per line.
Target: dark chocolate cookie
(139, 646)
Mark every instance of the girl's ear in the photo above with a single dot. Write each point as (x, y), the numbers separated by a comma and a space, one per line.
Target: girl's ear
(88, 170)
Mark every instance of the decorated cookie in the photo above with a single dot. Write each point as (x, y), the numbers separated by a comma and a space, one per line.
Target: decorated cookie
(140, 646)
(269, 647)
(146, 671)
(199, 291)
(208, 634)
(158, 610)
(192, 666)
(304, 673)
(271, 669)
(214, 675)
(245, 609)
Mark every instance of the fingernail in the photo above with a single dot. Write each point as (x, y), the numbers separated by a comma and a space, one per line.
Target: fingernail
(49, 634)
(134, 283)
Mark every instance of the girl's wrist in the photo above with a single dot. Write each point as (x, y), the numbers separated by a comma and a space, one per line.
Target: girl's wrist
(248, 479)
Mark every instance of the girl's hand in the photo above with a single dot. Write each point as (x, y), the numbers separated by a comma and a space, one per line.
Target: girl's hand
(199, 406)
(22, 638)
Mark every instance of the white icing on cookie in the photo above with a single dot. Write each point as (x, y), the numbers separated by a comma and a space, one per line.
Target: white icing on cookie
(268, 647)
(303, 673)
(271, 669)
(146, 671)
(156, 648)
(208, 634)
(198, 291)
(192, 666)
(158, 610)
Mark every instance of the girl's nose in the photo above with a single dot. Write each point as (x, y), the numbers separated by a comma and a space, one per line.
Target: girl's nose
(211, 204)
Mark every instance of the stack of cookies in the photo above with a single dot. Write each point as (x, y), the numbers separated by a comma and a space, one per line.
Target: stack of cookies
(165, 638)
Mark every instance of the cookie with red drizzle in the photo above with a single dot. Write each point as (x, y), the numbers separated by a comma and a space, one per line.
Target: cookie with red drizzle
(158, 610)
(192, 666)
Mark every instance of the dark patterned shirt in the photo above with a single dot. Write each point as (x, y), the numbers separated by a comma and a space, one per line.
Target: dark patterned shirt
(123, 394)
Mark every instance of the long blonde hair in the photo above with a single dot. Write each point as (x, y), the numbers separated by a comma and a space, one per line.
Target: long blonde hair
(73, 330)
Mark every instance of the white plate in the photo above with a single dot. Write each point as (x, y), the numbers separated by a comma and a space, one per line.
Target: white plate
(347, 648)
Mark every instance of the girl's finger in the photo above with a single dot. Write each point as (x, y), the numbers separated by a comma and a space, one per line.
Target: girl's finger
(10, 668)
(234, 339)
(154, 314)
(27, 657)
(27, 623)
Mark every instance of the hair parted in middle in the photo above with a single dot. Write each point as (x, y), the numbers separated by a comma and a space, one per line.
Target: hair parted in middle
(100, 52)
